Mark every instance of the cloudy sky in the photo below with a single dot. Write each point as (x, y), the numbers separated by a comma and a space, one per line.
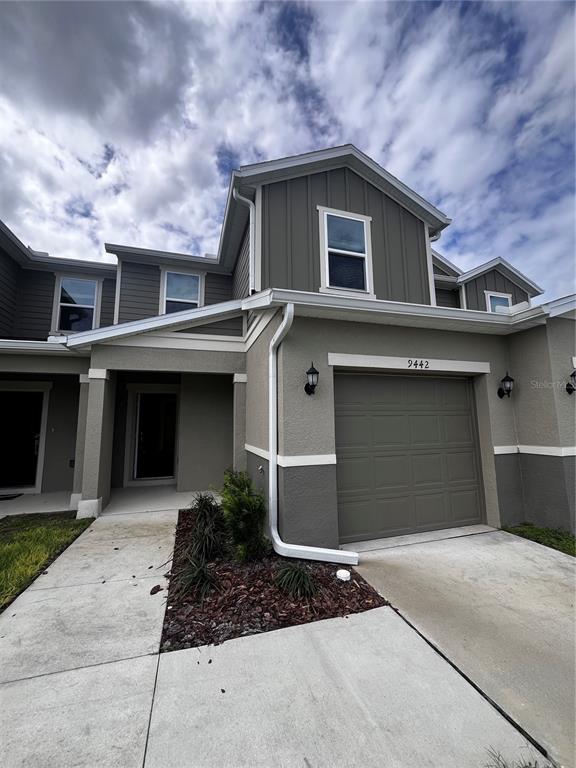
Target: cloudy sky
(121, 121)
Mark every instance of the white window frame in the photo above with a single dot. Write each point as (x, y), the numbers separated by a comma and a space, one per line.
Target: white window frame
(29, 386)
(496, 294)
(180, 271)
(325, 287)
(56, 305)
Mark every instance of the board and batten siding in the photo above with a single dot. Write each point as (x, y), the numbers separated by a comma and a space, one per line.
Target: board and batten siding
(445, 297)
(34, 304)
(139, 291)
(8, 285)
(241, 275)
(290, 236)
(492, 281)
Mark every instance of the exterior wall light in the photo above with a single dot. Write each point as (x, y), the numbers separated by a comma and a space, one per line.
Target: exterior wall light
(312, 376)
(571, 386)
(507, 386)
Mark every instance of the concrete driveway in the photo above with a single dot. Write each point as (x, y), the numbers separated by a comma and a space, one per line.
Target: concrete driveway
(501, 608)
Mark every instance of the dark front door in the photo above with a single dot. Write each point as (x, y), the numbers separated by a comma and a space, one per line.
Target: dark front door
(21, 420)
(156, 435)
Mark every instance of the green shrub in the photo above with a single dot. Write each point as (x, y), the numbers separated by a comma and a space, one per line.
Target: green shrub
(209, 535)
(245, 513)
(196, 575)
(297, 580)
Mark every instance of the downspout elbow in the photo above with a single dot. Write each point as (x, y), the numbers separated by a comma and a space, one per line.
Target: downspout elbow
(252, 244)
(281, 547)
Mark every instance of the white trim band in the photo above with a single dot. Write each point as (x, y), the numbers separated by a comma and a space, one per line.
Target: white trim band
(303, 460)
(539, 450)
(98, 373)
(257, 451)
(240, 378)
(406, 363)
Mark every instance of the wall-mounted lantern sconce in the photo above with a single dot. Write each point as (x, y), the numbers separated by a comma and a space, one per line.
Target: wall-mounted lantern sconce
(312, 376)
(571, 386)
(507, 386)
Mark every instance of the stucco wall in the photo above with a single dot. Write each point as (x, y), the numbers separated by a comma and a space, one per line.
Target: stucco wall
(257, 388)
(126, 358)
(61, 434)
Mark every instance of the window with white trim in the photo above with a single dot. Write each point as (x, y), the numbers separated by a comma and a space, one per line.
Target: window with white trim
(345, 242)
(181, 291)
(495, 302)
(77, 304)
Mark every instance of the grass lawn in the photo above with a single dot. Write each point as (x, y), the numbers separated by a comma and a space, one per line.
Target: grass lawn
(550, 537)
(28, 543)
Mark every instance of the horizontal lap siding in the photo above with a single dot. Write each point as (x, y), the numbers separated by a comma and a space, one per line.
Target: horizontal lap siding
(491, 281)
(139, 291)
(8, 284)
(290, 235)
(447, 298)
(241, 276)
(107, 304)
(232, 326)
(34, 303)
(217, 288)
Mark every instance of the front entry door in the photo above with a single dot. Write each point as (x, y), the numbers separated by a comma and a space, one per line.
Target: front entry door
(155, 436)
(21, 419)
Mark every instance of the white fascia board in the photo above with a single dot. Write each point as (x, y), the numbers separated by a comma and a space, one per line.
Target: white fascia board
(560, 306)
(465, 277)
(172, 321)
(536, 450)
(287, 163)
(16, 346)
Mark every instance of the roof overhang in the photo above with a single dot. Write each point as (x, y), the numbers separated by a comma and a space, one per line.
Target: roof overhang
(150, 256)
(506, 269)
(22, 347)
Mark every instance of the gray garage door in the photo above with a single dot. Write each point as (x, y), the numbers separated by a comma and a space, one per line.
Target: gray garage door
(407, 454)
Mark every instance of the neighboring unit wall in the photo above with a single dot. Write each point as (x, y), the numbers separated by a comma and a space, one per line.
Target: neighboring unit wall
(107, 302)
(491, 281)
(139, 291)
(8, 282)
(241, 276)
(34, 304)
(205, 433)
(446, 297)
(61, 434)
(290, 238)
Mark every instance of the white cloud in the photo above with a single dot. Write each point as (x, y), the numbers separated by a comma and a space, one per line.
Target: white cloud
(472, 105)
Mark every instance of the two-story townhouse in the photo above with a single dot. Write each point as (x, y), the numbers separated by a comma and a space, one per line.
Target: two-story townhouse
(327, 348)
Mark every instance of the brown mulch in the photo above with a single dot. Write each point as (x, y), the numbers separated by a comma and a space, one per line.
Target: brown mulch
(249, 602)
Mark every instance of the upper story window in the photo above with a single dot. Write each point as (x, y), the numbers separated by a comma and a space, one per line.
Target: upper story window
(180, 291)
(346, 252)
(76, 307)
(495, 302)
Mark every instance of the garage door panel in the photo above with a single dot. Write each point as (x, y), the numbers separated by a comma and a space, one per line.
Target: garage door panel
(407, 455)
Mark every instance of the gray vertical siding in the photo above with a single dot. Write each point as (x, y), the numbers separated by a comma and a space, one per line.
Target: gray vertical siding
(491, 281)
(290, 236)
(107, 305)
(446, 297)
(34, 303)
(241, 276)
(8, 282)
(139, 291)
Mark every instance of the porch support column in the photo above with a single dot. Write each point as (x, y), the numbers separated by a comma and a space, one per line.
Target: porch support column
(98, 442)
(76, 495)
(239, 422)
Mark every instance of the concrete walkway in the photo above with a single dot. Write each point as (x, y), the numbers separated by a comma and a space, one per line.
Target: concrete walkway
(502, 609)
(82, 683)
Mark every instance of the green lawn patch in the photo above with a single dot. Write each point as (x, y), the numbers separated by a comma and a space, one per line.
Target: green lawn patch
(550, 537)
(29, 543)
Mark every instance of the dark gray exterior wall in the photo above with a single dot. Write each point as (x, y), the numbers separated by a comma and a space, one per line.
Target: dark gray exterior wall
(548, 483)
(241, 275)
(61, 434)
(217, 288)
(510, 491)
(8, 282)
(139, 291)
(232, 326)
(306, 502)
(34, 303)
(107, 303)
(491, 281)
(259, 477)
(445, 297)
(290, 236)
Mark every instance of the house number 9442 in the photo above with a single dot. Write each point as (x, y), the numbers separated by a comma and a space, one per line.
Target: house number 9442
(418, 363)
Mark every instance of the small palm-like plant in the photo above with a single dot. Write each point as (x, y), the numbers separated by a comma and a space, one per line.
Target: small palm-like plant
(195, 575)
(244, 512)
(297, 580)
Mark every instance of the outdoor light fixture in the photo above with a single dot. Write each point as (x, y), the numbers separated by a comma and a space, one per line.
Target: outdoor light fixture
(571, 386)
(507, 386)
(312, 376)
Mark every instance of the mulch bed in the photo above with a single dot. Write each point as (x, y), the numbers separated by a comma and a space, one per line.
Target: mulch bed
(248, 600)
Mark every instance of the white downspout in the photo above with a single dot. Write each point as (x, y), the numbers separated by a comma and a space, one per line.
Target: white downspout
(252, 245)
(281, 547)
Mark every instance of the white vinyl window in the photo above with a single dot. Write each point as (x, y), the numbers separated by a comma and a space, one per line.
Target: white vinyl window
(180, 291)
(497, 302)
(76, 304)
(346, 252)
